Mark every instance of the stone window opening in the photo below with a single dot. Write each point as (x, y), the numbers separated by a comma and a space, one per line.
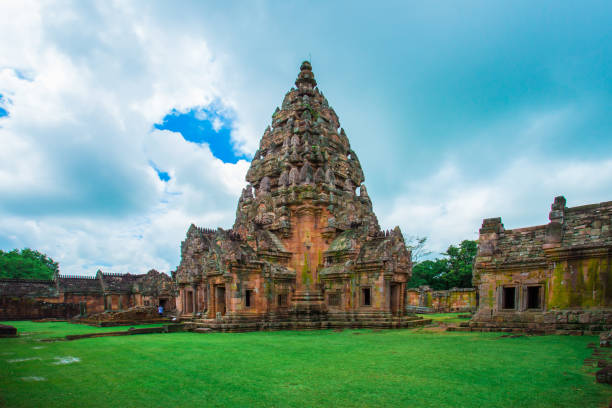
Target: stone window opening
(534, 297)
(333, 299)
(366, 297)
(248, 298)
(282, 299)
(509, 297)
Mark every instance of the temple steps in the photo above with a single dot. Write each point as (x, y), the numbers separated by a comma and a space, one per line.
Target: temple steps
(293, 322)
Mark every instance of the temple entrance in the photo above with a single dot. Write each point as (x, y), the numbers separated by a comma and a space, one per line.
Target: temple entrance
(163, 303)
(189, 301)
(220, 299)
(395, 298)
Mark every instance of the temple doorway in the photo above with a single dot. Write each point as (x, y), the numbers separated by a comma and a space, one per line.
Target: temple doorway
(395, 298)
(163, 303)
(189, 305)
(220, 299)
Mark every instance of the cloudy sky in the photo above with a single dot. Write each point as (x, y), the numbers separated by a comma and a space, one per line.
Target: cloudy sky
(121, 123)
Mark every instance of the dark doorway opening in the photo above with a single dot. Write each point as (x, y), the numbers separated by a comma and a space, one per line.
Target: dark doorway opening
(248, 297)
(534, 297)
(189, 305)
(366, 297)
(220, 300)
(509, 298)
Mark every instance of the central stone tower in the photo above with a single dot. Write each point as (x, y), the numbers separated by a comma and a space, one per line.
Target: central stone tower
(306, 250)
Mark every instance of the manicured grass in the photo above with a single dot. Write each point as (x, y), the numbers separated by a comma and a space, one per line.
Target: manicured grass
(52, 330)
(411, 368)
(446, 317)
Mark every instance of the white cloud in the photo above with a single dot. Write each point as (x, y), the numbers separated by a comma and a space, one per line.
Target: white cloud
(75, 174)
(449, 206)
(74, 167)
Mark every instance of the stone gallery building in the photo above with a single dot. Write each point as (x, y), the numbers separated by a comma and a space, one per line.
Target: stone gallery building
(306, 250)
(425, 300)
(69, 296)
(547, 278)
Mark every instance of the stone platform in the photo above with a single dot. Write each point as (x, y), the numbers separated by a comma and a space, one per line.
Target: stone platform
(293, 321)
(575, 322)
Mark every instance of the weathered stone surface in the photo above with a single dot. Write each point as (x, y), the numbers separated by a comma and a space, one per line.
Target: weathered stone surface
(605, 339)
(69, 296)
(7, 331)
(426, 300)
(132, 316)
(566, 264)
(305, 248)
(604, 375)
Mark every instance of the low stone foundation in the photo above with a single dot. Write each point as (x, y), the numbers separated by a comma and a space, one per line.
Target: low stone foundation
(302, 321)
(576, 322)
(7, 331)
(135, 315)
(25, 308)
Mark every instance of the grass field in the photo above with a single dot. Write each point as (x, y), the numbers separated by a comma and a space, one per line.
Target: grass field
(446, 318)
(361, 368)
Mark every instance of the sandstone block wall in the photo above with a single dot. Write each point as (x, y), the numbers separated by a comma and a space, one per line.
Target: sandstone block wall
(441, 301)
(68, 296)
(550, 277)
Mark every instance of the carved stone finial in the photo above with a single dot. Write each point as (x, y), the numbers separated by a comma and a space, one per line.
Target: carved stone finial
(305, 79)
(247, 193)
(306, 174)
(348, 186)
(319, 176)
(264, 185)
(283, 180)
(363, 192)
(330, 177)
(294, 176)
(295, 141)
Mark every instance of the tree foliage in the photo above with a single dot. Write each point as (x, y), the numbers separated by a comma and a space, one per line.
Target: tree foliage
(452, 271)
(416, 246)
(27, 264)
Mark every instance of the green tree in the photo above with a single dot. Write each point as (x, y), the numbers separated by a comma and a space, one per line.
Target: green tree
(416, 246)
(460, 260)
(452, 271)
(27, 264)
(429, 273)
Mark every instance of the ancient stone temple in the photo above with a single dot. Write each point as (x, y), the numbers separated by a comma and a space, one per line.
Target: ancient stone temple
(547, 278)
(306, 250)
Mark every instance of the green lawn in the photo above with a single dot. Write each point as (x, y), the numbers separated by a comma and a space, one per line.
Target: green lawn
(411, 368)
(446, 317)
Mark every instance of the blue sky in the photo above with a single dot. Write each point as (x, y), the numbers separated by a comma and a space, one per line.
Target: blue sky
(127, 121)
(201, 125)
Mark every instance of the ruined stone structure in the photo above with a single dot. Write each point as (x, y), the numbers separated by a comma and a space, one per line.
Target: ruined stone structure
(306, 250)
(426, 300)
(69, 296)
(548, 278)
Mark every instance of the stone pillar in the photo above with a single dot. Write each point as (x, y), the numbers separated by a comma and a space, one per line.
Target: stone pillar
(554, 229)
(228, 298)
(211, 301)
(194, 298)
(402, 299)
(183, 300)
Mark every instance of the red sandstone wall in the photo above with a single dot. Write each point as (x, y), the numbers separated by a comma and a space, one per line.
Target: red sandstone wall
(15, 308)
